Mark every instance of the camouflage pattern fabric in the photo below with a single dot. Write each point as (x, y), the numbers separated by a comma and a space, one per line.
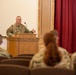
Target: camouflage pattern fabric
(17, 29)
(37, 60)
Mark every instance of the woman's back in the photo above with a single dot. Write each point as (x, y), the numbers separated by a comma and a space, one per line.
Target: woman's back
(37, 60)
(52, 55)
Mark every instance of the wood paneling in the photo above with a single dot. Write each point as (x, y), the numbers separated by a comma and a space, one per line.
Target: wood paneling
(45, 16)
(45, 19)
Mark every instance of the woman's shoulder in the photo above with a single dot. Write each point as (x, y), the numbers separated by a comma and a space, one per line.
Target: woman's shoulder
(63, 50)
(39, 56)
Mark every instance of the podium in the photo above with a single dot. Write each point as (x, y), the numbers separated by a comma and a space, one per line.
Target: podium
(22, 44)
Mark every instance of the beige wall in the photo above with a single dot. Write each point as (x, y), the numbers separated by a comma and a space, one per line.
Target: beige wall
(27, 9)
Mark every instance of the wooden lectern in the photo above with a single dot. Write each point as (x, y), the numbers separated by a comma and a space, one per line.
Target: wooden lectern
(22, 44)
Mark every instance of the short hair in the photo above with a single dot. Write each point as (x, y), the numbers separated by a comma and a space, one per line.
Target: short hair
(54, 32)
(18, 16)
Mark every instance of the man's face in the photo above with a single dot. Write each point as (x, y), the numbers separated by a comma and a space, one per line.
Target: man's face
(18, 20)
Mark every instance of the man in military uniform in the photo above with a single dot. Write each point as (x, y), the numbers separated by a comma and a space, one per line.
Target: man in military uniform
(18, 28)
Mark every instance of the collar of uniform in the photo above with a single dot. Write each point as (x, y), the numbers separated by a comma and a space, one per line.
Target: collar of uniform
(18, 25)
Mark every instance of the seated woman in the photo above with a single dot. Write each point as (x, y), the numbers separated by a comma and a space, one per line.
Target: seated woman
(52, 55)
(3, 52)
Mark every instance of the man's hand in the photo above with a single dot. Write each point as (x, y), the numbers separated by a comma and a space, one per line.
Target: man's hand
(34, 31)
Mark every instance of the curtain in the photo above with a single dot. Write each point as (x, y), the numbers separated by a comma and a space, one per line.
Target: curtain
(63, 23)
(74, 27)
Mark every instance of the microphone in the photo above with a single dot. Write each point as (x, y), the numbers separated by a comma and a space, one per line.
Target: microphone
(25, 24)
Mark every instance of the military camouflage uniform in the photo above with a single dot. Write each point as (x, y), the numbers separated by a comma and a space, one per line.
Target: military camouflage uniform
(17, 29)
(37, 60)
(73, 59)
(4, 53)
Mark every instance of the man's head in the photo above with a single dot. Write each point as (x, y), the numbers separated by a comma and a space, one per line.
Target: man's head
(18, 20)
(1, 39)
